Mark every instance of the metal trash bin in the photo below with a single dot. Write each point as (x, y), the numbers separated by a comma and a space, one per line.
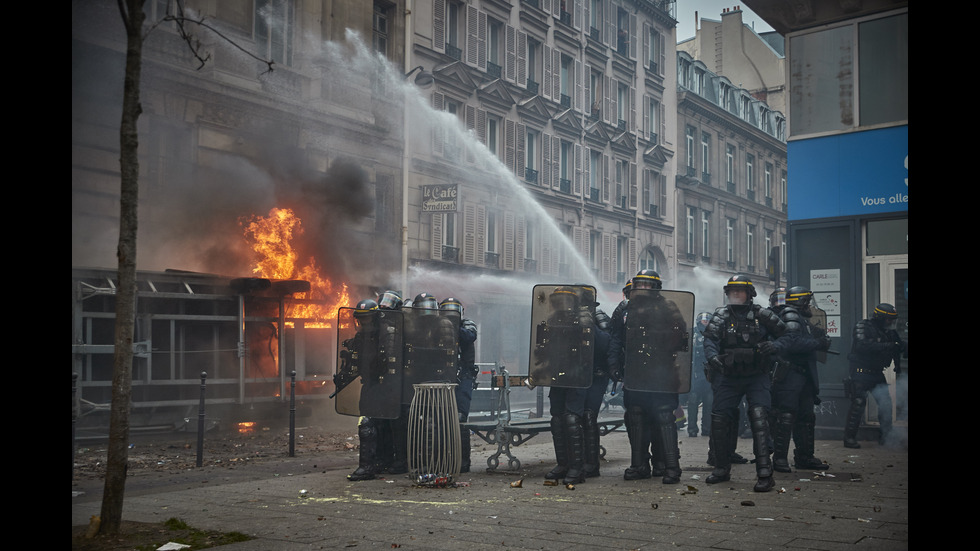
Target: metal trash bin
(434, 451)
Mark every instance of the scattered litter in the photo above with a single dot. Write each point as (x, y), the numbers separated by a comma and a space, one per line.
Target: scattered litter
(172, 546)
(517, 483)
(302, 494)
(876, 508)
(781, 491)
(695, 477)
(764, 518)
(748, 503)
(570, 486)
(864, 519)
(550, 482)
(689, 490)
(655, 505)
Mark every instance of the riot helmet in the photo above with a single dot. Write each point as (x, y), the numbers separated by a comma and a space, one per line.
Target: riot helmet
(885, 315)
(563, 299)
(701, 321)
(647, 279)
(799, 296)
(627, 288)
(453, 304)
(364, 312)
(777, 297)
(602, 320)
(425, 301)
(390, 300)
(740, 282)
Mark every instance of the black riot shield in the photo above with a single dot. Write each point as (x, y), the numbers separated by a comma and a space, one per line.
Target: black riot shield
(658, 341)
(562, 336)
(369, 364)
(818, 325)
(431, 348)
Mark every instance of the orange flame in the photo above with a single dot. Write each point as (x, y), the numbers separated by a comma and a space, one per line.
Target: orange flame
(271, 239)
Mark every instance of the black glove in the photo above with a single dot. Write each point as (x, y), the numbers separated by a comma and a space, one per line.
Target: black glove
(766, 347)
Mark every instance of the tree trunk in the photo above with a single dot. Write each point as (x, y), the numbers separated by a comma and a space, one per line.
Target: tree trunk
(122, 371)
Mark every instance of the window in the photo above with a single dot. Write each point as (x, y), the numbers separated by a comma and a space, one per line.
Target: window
(595, 238)
(691, 231)
(449, 229)
(494, 31)
(380, 28)
(830, 76)
(622, 104)
(565, 162)
(653, 51)
(647, 261)
(529, 233)
(768, 182)
(566, 80)
(705, 233)
(530, 147)
(533, 47)
(595, 175)
(651, 118)
(705, 153)
(750, 174)
(491, 232)
(690, 147)
(768, 240)
(730, 165)
(274, 29)
(749, 245)
(493, 131)
(622, 178)
(730, 240)
(595, 93)
(622, 255)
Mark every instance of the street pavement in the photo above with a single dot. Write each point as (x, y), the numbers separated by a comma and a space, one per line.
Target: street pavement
(306, 502)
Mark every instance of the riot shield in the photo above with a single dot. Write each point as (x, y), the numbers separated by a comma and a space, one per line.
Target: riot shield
(658, 341)
(369, 361)
(431, 348)
(818, 325)
(562, 336)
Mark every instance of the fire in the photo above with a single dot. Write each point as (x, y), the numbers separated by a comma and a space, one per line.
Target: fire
(271, 239)
(246, 427)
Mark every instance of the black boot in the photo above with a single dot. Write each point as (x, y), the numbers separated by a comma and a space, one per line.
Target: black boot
(854, 414)
(590, 433)
(722, 429)
(639, 434)
(760, 445)
(736, 458)
(367, 434)
(781, 432)
(657, 467)
(561, 449)
(574, 441)
(399, 445)
(803, 435)
(671, 455)
(464, 440)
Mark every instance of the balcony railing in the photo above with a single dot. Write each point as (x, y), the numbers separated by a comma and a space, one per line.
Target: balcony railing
(594, 194)
(750, 194)
(564, 185)
(492, 260)
(653, 137)
(454, 52)
(566, 18)
(450, 254)
(530, 265)
(530, 175)
(622, 201)
(594, 33)
(493, 70)
(532, 87)
(692, 172)
(706, 177)
(654, 212)
(769, 202)
(566, 101)
(730, 186)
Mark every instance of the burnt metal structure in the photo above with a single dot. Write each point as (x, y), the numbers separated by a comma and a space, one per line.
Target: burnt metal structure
(235, 329)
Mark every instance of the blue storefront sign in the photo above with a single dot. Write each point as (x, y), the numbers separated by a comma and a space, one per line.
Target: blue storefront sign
(851, 174)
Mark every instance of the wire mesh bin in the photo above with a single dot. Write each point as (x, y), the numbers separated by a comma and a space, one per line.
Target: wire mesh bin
(434, 455)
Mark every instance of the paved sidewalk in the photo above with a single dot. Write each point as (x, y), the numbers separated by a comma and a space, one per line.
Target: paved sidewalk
(306, 502)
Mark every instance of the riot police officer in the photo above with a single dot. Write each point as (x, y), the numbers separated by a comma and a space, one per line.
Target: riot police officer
(365, 352)
(651, 333)
(794, 380)
(874, 344)
(700, 394)
(569, 323)
(737, 344)
(465, 375)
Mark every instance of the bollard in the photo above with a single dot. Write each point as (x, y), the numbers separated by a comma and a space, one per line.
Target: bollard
(200, 423)
(74, 416)
(292, 414)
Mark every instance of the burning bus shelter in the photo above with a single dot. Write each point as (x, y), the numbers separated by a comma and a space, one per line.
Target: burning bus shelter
(248, 334)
